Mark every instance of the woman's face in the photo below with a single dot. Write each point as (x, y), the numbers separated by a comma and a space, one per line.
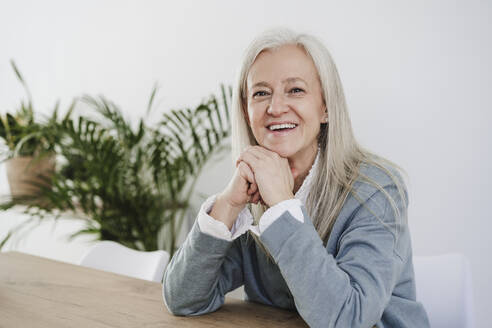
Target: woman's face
(284, 102)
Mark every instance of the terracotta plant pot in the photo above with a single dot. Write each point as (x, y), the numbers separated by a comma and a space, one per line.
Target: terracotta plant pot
(26, 173)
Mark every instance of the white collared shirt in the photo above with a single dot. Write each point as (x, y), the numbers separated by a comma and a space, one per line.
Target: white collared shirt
(244, 221)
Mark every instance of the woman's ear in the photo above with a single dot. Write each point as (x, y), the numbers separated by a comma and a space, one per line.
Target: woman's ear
(325, 116)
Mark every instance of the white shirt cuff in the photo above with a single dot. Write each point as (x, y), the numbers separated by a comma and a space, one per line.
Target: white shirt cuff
(218, 229)
(243, 222)
(273, 213)
(209, 225)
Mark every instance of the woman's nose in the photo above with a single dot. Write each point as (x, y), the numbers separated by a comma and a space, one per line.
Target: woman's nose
(277, 105)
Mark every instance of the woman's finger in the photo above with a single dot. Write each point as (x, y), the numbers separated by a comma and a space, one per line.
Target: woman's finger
(250, 159)
(248, 149)
(246, 172)
(259, 152)
(253, 187)
(255, 198)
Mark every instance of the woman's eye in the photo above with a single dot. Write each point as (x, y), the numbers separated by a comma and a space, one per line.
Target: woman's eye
(296, 90)
(259, 94)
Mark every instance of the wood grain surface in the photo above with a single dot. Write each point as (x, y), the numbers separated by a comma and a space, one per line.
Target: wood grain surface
(39, 292)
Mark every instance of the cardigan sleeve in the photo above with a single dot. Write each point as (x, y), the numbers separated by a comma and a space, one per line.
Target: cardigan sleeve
(201, 272)
(352, 288)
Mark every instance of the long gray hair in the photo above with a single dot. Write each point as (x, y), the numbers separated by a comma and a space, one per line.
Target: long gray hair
(340, 154)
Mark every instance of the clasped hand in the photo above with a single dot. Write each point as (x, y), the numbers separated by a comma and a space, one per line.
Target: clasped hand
(261, 176)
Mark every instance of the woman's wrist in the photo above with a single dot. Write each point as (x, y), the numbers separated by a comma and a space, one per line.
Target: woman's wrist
(224, 211)
(281, 198)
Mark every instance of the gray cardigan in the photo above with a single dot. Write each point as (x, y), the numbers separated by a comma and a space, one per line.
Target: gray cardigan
(362, 277)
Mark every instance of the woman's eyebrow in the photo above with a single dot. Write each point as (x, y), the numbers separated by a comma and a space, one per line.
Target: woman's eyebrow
(261, 84)
(287, 80)
(294, 79)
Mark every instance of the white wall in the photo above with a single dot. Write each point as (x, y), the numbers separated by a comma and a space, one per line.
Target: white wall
(417, 77)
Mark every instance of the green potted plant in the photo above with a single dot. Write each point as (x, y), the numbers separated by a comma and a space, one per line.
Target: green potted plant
(29, 152)
(132, 184)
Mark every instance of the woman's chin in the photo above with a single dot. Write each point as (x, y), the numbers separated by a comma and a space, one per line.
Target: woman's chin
(282, 151)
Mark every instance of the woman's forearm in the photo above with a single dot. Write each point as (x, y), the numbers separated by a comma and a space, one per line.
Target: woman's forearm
(201, 272)
(223, 211)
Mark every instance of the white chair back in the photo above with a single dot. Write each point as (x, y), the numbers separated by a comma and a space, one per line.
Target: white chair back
(114, 257)
(444, 287)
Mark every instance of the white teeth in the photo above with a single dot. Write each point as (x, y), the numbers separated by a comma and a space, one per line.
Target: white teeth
(281, 126)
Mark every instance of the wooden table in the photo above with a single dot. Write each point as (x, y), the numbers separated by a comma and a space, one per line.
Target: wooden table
(38, 292)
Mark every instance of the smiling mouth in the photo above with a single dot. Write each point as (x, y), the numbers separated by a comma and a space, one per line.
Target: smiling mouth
(282, 127)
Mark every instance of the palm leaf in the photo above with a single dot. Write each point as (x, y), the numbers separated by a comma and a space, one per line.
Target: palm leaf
(130, 183)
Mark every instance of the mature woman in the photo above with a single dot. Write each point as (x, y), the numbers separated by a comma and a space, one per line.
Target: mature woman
(310, 220)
